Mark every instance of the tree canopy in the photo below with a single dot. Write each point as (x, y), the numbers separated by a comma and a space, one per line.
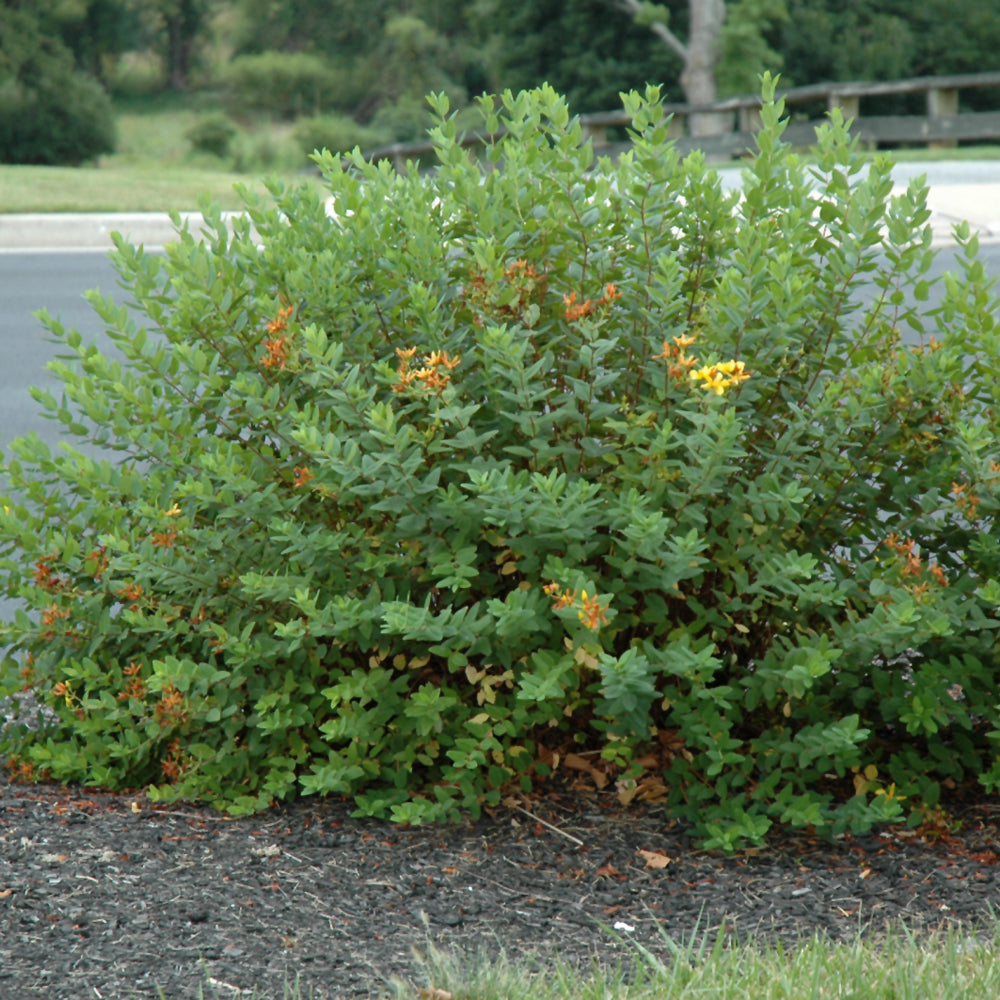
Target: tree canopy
(382, 57)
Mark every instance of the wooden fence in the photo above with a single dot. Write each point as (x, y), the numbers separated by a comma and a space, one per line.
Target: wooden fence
(943, 125)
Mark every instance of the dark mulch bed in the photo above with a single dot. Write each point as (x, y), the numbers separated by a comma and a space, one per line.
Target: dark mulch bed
(100, 900)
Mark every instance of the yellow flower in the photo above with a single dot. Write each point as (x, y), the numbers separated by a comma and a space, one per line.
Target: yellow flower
(712, 378)
(890, 793)
(592, 614)
(721, 376)
(735, 370)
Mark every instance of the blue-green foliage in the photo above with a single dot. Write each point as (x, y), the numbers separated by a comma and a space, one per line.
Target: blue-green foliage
(414, 490)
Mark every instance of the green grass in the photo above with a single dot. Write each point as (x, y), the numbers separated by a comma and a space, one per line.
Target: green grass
(923, 154)
(115, 188)
(154, 168)
(945, 965)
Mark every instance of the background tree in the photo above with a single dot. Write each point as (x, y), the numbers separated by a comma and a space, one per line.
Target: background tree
(385, 55)
(339, 28)
(50, 112)
(178, 29)
(725, 48)
(952, 37)
(577, 48)
(95, 31)
(889, 40)
(416, 60)
(873, 43)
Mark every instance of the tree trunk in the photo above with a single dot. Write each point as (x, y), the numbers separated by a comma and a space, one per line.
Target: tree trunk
(702, 58)
(178, 53)
(184, 22)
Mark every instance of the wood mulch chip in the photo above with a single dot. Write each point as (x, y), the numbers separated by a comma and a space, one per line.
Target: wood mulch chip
(105, 895)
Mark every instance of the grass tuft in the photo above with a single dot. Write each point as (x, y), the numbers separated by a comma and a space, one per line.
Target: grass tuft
(946, 965)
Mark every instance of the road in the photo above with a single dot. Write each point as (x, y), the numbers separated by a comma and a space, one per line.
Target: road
(29, 282)
(57, 282)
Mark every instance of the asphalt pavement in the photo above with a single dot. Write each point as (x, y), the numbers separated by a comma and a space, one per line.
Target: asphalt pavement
(960, 190)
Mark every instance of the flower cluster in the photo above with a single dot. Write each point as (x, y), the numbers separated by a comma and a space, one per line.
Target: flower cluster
(913, 566)
(135, 686)
(277, 344)
(523, 287)
(50, 616)
(432, 375)
(575, 310)
(966, 501)
(718, 377)
(46, 577)
(69, 696)
(130, 594)
(175, 763)
(172, 708)
(673, 352)
(97, 562)
(592, 613)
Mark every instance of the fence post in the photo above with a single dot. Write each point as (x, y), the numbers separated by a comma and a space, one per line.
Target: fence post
(748, 119)
(942, 102)
(849, 104)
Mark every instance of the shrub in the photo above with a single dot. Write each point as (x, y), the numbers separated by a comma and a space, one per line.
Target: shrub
(64, 121)
(485, 474)
(337, 133)
(405, 119)
(212, 134)
(137, 74)
(266, 151)
(281, 84)
(50, 114)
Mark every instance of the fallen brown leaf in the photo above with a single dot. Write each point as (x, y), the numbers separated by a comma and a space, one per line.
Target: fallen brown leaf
(652, 789)
(626, 791)
(655, 859)
(578, 763)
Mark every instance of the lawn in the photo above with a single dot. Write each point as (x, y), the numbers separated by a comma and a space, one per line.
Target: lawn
(154, 168)
(945, 966)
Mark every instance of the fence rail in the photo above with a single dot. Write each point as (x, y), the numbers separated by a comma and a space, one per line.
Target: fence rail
(943, 125)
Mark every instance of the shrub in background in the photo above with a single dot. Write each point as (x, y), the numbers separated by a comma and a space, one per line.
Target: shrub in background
(281, 84)
(337, 133)
(266, 151)
(212, 134)
(50, 113)
(482, 472)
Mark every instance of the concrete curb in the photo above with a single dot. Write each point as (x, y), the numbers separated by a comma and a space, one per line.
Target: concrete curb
(81, 231)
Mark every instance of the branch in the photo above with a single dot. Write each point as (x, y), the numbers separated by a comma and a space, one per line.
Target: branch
(634, 7)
